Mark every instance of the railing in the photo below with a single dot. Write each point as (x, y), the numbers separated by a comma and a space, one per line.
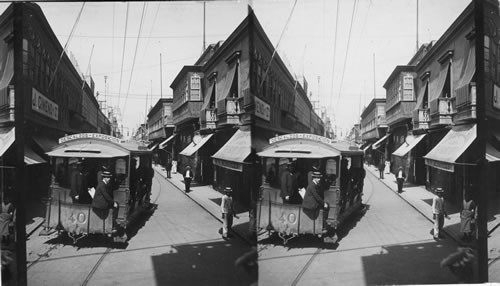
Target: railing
(442, 105)
(466, 95)
(421, 118)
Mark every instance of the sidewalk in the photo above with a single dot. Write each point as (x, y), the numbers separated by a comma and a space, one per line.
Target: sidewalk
(209, 199)
(421, 200)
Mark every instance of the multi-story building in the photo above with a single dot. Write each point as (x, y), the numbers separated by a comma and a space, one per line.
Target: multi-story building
(249, 96)
(373, 131)
(57, 99)
(160, 127)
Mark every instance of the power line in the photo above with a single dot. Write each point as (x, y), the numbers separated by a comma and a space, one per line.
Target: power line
(135, 54)
(347, 50)
(334, 53)
(67, 43)
(123, 54)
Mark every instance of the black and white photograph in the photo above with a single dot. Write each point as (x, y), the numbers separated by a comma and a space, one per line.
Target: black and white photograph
(250, 142)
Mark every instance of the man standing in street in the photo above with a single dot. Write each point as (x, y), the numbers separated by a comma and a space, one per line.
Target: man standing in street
(381, 168)
(188, 176)
(438, 213)
(227, 210)
(400, 178)
(168, 168)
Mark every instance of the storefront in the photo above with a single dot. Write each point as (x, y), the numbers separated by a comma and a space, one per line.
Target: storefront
(409, 156)
(197, 156)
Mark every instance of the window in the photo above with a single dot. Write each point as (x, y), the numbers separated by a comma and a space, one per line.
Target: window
(408, 87)
(195, 93)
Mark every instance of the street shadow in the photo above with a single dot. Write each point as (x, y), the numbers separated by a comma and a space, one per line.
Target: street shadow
(351, 222)
(408, 264)
(136, 221)
(211, 263)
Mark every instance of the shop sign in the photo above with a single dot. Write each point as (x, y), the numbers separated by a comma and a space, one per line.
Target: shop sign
(262, 109)
(89, 136)
(43, 105)
(312, 137)
(228, 165)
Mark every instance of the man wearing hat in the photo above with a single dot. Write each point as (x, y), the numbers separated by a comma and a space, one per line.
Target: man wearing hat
(438, 213)
(314, 199)
(103, 198)
(227, 210)
(400, 178)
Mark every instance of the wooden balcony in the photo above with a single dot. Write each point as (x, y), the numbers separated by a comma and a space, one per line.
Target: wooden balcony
(401, 111)
(229, 110)
(466, 103)
(208, 118)
(7, 102)
(442, 110)
(188, 111)
(421, 118)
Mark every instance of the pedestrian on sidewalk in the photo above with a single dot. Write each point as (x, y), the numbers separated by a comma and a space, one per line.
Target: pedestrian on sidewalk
(438, 213)
(188, 176)
(400, 178)
(168, 168)
(381, 168)
(227, 210)
(467, 216)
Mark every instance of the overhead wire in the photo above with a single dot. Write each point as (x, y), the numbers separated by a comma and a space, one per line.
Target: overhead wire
(67, 44)
(346, 53)
(334, 56)
(135, 55)
(123, 54)
(277, 45)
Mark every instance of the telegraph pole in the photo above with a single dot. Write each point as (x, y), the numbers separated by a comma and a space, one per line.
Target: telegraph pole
(20, 190)
(481, 184)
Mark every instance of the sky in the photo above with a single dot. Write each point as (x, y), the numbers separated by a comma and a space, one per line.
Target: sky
(345, 49)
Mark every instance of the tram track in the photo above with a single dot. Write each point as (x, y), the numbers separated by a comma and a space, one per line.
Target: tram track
(320, 250)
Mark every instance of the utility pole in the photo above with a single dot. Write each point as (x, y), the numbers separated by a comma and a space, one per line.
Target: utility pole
(374, 92)
(480, 185)
(20, 190)
(204, 20)
(417, 27)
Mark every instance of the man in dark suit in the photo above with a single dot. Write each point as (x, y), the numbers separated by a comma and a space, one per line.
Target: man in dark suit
(103, 198)
(314, 199)
(289, 185)
(168, 168)
(188, 176)
(79, 187)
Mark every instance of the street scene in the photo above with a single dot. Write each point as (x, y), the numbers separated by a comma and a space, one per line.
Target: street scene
(294, 142)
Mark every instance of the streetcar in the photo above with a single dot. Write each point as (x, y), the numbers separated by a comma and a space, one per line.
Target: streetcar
(341, 165)
(129, 162)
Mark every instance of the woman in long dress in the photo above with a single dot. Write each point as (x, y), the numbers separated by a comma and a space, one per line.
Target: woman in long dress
(467, 217)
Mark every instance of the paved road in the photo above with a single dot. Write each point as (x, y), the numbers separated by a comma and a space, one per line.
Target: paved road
(177, 245)
(388, 244)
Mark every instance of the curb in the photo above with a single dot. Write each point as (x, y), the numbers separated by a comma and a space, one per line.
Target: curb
(216, 216)
(458, 241)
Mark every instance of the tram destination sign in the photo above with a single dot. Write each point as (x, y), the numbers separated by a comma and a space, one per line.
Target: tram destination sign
(307, 136)
(89, 136)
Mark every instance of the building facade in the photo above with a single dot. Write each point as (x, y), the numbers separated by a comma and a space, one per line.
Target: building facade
(374, 131)
(58, 100)
(160, 127)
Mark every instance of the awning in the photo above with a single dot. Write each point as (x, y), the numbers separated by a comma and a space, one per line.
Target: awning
(436, 86)
(235, 151)
(6, 69)
(164, 143)
(45, 143)
(208, 96)
(94, 150)
(32, 158)
(367, 147)
(154, 147)
(421, 95)
(7, 138)
(224, 85)
(303, 150)
(492, 153)
(379, 143)
(410, 142)
(470, 68)
(451, 147)
(198, 142)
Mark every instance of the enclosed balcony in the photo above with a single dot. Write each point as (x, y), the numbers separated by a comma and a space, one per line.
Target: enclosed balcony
(229, 110)
(421, 118)
(442, 110)
(466, 103)
(401, 111)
